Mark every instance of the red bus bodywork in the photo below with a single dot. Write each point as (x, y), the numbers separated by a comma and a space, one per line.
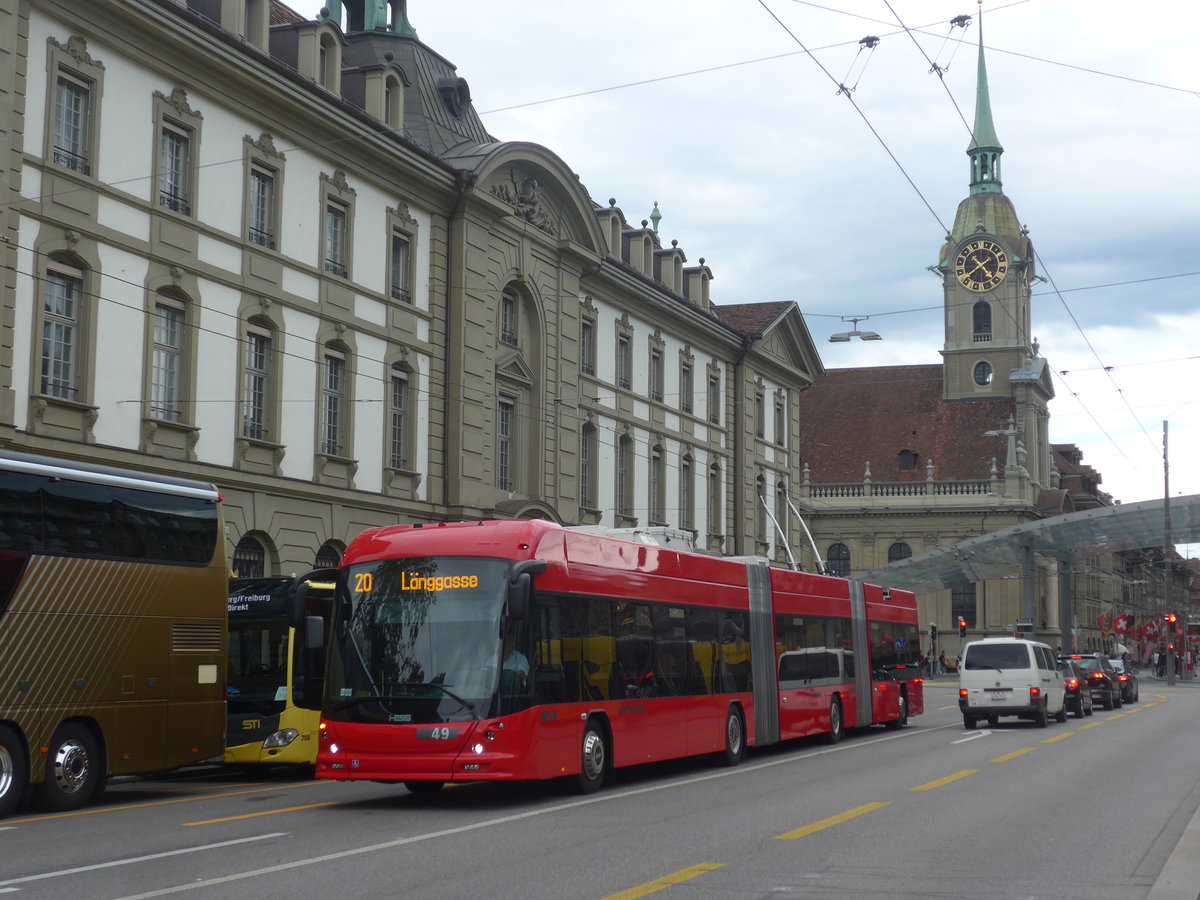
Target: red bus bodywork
(544, 741)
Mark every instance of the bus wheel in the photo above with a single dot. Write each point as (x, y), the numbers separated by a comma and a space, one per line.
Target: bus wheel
(735, 737)
(901, 714)
(14, 770)
(424, 788)
(593, 758)
(837, 728)
(72, 769)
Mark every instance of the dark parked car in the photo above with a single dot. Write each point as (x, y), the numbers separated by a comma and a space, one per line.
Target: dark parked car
(1127, 679)
(1101, 678)
(1079, 695)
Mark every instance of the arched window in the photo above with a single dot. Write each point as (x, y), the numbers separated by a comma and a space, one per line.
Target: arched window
(249, 558)
(981, 315)
(838, 560)
(328, 556)
(899, 550)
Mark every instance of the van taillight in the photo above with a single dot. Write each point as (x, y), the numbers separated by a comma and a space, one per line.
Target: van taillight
(1072, 683)
(962, 693)
(1034, 693)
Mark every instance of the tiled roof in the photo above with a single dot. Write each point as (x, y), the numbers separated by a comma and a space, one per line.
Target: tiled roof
(284, 15)
(753, 318)
(852, 416)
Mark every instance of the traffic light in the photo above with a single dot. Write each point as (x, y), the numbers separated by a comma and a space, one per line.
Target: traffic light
(1172, 619)
(962, 627)
(933, 632)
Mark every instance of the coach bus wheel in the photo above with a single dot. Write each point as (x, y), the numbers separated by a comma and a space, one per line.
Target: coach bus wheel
(735, 737)
(901, 713)
(593, 758)
(14, 770)
(72, 769)
(837, 728)
(424, 788)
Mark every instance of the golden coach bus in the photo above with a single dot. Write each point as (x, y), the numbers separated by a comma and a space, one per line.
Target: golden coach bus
(112, 627)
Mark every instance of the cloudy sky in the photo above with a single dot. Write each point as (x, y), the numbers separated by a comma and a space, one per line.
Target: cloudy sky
(728, 114)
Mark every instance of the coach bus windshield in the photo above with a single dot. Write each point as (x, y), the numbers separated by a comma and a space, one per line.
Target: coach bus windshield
(417, 640)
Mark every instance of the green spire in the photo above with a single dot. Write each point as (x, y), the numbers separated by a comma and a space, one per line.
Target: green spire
(984, 148)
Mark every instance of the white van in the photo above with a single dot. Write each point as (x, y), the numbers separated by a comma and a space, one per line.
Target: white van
(1010, 677)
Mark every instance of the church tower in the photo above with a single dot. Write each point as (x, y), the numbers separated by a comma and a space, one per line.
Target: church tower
(987, 266)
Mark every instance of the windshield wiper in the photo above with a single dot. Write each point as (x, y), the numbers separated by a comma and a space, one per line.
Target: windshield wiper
(466, 704)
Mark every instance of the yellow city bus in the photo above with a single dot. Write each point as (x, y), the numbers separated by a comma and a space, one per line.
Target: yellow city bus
(272, 708)
(112, 627)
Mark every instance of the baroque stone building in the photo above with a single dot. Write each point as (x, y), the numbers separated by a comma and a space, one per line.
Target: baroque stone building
(285, 256)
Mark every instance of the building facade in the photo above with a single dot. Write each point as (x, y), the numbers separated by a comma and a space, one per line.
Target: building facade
(285, 256)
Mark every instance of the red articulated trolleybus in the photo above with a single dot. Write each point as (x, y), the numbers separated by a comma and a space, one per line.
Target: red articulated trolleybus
(522, 650)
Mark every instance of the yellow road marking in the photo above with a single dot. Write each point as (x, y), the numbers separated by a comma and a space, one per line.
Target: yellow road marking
(1010, 756)
(108, 809)
(947, 780)
(1091, 725)
(265, 812)
(1117, 716)
(831, 821)
(659, 884)
(1058, 737)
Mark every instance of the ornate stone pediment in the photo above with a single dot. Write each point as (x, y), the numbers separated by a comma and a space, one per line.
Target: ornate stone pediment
(528, 199)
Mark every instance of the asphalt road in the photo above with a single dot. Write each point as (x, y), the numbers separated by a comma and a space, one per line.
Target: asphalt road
(1091, 809)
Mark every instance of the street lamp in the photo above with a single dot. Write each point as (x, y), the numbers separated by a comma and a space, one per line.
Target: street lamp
(843, 336)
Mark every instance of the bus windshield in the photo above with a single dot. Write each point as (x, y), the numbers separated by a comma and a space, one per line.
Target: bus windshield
(417, 640)
(258, 647)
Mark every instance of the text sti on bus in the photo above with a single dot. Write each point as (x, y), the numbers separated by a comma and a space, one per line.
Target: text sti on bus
(272, 695)
(112, 627)
(506, 650)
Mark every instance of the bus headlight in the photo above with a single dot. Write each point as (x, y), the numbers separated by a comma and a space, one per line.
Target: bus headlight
(281, 738)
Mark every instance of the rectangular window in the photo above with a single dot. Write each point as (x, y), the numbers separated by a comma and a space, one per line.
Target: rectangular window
(174, 170)
(760, 416)
(656, 487)
(585, 468)
(780, 423)
(714, 399)
(399, 424)
(625, 477)
(261, 214)
(685, 388)
(72, 101)
(715, 506)
(60, 332)
(687, 494)
(166, 365)
(332, 400)
(656, 375)
(587, 347)
(336, 234)
(505, 419)
(255, 388)
(508, 319)
(624, 363)
(399, 267)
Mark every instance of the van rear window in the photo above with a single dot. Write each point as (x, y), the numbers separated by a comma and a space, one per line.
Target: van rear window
(997, 656)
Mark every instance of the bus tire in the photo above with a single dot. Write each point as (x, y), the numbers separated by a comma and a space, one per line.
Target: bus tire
(837, 726)
(901, 714)
(73, 769)
(593, 758)
(14, 770)
(424, 788)
(735, 737)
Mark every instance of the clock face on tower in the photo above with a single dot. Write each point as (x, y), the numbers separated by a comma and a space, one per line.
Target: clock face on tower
(981, 265)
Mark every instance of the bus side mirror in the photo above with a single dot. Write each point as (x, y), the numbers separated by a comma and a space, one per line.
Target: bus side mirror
(314, 632)
(520, 586)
